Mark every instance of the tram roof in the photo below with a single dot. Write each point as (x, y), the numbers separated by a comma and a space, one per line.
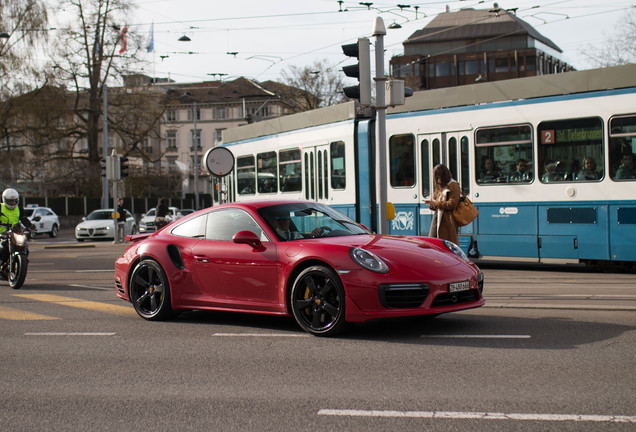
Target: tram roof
(609, 78)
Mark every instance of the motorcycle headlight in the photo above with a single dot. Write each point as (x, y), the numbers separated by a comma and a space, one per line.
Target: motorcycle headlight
(455, 249)
(20, 239)
(368, 260)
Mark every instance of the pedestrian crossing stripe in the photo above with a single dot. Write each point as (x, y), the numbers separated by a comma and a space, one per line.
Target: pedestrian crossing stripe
(81, 304)
(11, 314)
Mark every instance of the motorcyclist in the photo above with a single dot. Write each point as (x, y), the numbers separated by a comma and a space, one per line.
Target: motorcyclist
(11, 213)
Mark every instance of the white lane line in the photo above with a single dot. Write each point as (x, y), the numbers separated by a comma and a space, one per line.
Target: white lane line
(259, 335)
(480, 415)
(469, 336)
(70, 334)
(93, 287)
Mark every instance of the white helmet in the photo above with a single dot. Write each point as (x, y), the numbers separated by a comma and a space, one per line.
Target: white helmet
(10, 198)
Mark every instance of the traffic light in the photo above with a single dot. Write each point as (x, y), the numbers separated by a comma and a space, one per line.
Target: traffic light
(123, 167)
(107, 167)
(361, 71)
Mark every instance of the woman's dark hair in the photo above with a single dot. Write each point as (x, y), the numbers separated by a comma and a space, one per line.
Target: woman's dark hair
(162, 201)
(441, 177)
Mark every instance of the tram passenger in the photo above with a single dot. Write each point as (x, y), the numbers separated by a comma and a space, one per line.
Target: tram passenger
(551, 175)
(588, 172)
(446, 193)
(489, 173)
(522, 174)
(626, 170)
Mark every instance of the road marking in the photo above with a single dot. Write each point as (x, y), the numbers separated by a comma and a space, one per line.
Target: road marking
(259, 335)
(11, 314)
(93, 287)
(81, 304)
(469, 336)
(70, 334)
(480, 415)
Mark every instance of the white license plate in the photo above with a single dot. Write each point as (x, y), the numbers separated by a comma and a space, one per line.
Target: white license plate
(459, 286)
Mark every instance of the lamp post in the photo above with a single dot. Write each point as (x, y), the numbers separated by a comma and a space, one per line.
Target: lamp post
(379, 31)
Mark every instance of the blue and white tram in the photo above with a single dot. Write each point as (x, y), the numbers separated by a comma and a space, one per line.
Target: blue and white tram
(548, 160)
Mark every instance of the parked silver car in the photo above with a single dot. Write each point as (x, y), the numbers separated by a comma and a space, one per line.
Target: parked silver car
(99, 224)
(147, 222)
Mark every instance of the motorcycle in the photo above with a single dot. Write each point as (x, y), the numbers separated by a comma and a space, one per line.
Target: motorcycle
(14, 242)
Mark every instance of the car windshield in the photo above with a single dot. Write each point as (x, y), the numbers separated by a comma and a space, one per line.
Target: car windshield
(100, 214)
(304, 218)
(151, 212)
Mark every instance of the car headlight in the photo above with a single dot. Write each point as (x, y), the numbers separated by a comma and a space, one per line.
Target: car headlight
(368, 260)
(455, 249)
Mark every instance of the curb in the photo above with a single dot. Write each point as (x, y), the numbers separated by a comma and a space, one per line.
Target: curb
(68, 246)
(562, 307)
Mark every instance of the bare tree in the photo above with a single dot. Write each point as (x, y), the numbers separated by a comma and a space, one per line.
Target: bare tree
(617, 49)
(316, 86)
(89, 54)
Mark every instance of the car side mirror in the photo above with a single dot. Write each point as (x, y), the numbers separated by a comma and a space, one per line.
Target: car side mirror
(37, 219)
(248, 238)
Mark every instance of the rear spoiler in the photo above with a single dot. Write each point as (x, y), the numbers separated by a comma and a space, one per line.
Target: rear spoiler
(137, 237)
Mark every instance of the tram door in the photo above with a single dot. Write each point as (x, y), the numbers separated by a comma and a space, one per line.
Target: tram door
(447, 148)
(316, 173)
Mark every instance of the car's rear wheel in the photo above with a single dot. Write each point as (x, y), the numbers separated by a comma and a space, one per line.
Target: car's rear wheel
(318, 301)
(54, 231)
(149, 291)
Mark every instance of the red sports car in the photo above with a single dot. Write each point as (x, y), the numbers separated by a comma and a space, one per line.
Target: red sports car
(296, 258)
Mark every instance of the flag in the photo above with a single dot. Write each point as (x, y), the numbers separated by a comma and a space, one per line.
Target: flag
(123, 40)
(151, 41)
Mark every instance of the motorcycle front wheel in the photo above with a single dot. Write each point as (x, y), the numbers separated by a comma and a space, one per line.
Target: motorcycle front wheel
(17, 271)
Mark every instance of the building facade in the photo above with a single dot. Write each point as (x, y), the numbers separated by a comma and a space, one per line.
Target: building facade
(468, 46)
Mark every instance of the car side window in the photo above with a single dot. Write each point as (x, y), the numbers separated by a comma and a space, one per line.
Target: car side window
(224, 224)
(193, 228)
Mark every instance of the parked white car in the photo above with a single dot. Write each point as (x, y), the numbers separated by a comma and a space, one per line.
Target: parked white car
(44, 219)
(147, 222)
(99, 224)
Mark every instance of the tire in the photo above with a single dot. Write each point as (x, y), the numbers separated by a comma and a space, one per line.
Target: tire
(17, 272)
(318, 301)
(54, 231)
(149, 291)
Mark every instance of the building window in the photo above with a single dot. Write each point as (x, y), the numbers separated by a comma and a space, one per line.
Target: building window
(219, 135)
(171, 139)
(221, 113)
(171, 115)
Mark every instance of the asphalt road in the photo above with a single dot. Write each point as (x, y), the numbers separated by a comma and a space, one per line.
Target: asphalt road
(552, 350)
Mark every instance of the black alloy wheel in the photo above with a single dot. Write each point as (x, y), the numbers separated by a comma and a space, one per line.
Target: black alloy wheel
(149, 291)
(318, 301)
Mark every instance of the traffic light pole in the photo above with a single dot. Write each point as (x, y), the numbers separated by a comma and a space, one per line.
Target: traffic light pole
(115, 162)
(379, 31)
(105, 147)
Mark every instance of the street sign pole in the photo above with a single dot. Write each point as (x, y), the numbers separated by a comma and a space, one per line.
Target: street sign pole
(379, 31)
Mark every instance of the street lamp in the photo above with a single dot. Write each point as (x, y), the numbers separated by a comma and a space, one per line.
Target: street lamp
(4, 35)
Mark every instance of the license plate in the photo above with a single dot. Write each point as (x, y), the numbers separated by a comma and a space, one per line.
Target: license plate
(459, 286)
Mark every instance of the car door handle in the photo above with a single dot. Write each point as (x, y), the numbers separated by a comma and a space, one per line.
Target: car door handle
(201, 258)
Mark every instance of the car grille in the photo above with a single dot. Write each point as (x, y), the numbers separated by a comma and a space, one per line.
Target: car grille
(446, 299)
(402, 296)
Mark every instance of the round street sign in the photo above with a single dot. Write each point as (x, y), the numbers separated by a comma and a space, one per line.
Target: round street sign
(219, 161)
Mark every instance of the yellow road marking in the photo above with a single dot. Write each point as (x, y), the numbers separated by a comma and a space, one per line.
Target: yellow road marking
(81, 304)
(11, 314)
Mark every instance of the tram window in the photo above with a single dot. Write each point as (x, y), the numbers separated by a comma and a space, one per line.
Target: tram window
(571, 150)
(622, 148)
(465, 184)
(401, 156)
(338, 173)
(326, 174)
(426, 173)
(307, 176)
(437, 152)
(503, 154)
(266, 175)
(289, 170)
(246, 175)
(452, 156)
(319, 159)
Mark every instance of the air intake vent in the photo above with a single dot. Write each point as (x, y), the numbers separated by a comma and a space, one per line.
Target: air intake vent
(403, 296)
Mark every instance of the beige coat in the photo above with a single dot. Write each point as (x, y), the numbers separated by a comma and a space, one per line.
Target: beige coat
(446, 227)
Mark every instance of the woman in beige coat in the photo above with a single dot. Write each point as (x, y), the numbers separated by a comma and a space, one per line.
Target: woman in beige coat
(446, 195)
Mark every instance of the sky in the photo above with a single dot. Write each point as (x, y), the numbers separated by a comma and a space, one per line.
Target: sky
(260, 39)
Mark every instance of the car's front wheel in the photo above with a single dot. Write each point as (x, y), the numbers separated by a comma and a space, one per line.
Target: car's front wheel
(318, 301)
(54, 231)
(149, 291)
